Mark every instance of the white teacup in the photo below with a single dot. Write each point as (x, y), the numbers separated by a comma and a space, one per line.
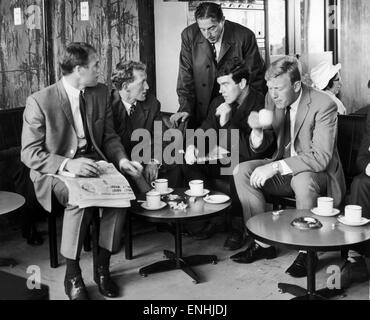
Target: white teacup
(353, 213)
(153, 199)
(325, 205)
(265, 117)
(160, 185)
(196, 187)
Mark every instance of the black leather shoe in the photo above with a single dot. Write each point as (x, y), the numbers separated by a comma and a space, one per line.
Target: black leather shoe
(353, 272)
(255, 252)
(75, 288)
(105, 283)
(298, 269)
(207, 232)
(235, 240)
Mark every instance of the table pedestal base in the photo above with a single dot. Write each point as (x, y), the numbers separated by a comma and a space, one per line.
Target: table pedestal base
(302, 294)
(174, 263)
(4, 262)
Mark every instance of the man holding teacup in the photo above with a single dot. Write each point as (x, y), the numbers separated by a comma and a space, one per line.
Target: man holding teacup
(305, 163)
(354, 268)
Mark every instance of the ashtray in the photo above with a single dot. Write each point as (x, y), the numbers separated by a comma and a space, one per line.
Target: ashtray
(306, 223)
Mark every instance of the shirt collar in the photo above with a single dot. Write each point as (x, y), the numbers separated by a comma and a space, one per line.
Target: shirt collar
(128, 105)
(294, 105)
(219, 41)
(71, 91)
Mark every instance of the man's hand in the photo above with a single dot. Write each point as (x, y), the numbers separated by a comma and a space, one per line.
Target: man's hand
(191, 155)
(82, 167)
(261, 174)
(151, 172)
(223, 111)
(367, 170)
(132, 168)
(254, 123)
(179, 117)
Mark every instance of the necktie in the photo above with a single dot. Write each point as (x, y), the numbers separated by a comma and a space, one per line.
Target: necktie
(84, 120)
(214, 52)
(287, 134)
(132, 110)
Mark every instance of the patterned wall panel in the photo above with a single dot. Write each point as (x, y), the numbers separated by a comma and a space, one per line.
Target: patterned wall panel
(113, 29)
(22, 63)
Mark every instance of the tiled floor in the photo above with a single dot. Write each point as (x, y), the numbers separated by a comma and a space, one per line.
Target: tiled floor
(225, 281)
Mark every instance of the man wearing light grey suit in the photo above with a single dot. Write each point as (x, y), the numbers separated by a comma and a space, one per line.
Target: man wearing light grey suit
(306, 162)
(67, 127)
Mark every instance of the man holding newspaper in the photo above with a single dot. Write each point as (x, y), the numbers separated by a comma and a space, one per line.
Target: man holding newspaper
(67, 128)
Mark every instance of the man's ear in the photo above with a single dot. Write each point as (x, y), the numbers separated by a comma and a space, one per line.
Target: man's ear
(243, 83)
(297, 86)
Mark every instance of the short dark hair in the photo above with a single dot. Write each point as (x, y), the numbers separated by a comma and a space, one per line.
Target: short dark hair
(287, 64)
(208, 10)
(76, 54)
(237, 68)
(124, 72)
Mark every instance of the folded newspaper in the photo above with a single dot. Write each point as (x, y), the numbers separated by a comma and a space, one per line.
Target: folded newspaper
(110, 189)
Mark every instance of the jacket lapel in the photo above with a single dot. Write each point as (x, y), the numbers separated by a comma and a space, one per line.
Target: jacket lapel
(205, 46)
(302, 111)
(64, 103)
(140, 116)
(226, 41)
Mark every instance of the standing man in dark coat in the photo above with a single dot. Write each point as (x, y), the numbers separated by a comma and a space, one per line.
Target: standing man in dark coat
(206, 46)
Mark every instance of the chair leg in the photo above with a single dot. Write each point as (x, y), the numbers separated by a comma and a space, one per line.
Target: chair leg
(87, 242)
(95, 238)
(128, 237)
(53, 248)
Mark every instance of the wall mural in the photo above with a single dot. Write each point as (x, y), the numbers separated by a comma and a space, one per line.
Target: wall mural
(22, 63)
(112, 28)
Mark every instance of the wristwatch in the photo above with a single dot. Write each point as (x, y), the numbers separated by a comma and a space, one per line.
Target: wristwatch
(275, 166)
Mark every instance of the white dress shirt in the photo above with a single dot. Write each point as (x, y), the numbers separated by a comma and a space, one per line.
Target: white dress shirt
(128, 106)
(74, 100)
(218, 44)
(257, 140)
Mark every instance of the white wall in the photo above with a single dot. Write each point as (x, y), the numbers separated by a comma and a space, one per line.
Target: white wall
(170, 20)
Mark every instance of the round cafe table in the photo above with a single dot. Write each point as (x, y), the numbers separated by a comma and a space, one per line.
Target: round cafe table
(9, 202)
(332, 236)
(197, 210)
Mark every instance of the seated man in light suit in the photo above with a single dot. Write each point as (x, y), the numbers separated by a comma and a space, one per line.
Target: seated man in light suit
(306, 162)
(355, 269)
(67, 127)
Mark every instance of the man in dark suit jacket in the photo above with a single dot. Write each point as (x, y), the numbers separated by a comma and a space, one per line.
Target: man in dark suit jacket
(67, 127)
(133, 109)
(305, 163)
(228, 115)
(355, 269)
(206, 46)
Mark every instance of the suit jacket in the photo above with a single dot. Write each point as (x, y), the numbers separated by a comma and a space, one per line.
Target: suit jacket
(198, 72)
(315, 134)
(254, 101)
(146, 112)
(49, 137)
(363, 158)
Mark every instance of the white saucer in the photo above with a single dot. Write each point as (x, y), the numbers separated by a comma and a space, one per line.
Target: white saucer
(169, 190)
(188, 193)
(362, 222)
(216, 199)
(331, 214)
(162, 205)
